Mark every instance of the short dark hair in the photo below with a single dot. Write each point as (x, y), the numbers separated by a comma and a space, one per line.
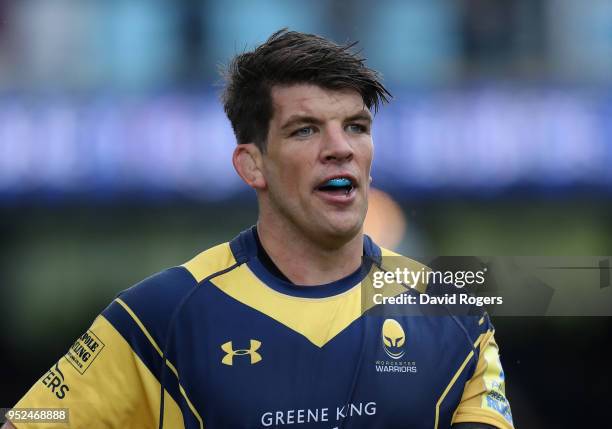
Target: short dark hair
(290, 57)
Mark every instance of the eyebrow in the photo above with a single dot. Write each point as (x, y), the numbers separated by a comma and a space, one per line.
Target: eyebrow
(364, 115)
(300, 119)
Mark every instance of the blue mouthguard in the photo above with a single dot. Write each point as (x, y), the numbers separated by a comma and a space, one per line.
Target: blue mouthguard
(338, 182)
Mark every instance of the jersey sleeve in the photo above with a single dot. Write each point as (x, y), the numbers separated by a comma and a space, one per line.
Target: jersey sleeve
(110, 375)
(484, 396)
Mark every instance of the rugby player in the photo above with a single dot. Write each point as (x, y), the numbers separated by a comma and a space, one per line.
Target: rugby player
(268, 329)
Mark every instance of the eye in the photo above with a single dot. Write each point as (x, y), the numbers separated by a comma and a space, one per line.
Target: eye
(303, 132)
(357, 128)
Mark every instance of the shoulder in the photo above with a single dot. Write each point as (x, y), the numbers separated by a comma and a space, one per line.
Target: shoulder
(473, 321)
(392, 261)
(211, 262)
(165, 289)
(150, 304)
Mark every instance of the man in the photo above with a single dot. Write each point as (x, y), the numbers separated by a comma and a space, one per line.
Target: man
(268, 330)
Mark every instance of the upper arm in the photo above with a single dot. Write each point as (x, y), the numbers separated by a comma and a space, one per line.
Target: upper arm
(110, 376)
(99, 380)
(484, 396)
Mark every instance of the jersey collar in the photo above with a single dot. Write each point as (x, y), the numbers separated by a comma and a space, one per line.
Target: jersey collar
(244, 249)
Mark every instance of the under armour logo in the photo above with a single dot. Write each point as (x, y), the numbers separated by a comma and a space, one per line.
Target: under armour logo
(228, 359)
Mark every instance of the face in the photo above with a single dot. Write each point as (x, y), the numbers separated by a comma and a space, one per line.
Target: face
(317, 161)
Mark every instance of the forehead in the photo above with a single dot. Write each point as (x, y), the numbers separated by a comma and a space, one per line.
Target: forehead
(312, 100)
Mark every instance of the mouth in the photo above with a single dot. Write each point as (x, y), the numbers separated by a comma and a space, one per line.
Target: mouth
(338, 186)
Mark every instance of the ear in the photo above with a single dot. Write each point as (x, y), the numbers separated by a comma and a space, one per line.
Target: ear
(247, 160)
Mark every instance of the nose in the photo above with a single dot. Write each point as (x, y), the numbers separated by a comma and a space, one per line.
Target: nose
(336, 146)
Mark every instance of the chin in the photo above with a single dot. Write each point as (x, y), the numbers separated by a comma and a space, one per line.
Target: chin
(342, 230)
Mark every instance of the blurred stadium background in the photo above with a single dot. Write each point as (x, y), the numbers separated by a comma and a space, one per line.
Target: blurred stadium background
(115, 157)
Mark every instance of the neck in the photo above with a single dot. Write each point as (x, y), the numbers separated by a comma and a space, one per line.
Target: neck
(306, 262)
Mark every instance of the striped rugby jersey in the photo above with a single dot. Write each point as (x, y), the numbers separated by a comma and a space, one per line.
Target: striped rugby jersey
(234, 346)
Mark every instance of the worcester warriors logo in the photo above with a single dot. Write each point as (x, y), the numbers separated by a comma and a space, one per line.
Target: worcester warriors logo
(230, 353)
(394, 344)
(393, 338)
